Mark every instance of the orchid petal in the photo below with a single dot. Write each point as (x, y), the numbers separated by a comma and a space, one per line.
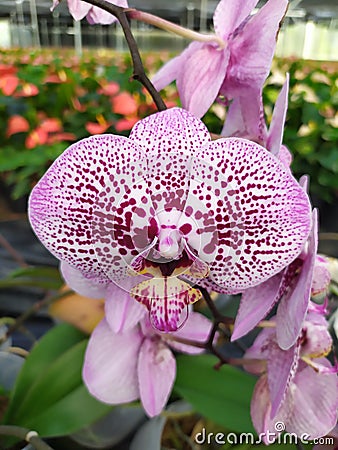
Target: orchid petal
(260, 406)
(81, 208)
(229, 14)
(317, 340)
(261, 409)
(98, 15)
(203, 72)
(234, 124)
(196, 328)
(55, 4)
(168, 182)
(258, 215)
(321, 277)
(245, 117)
(294, 304)
(252, 49)
(282, 366)
(261, 412)
(199, 268)
(165, 299)
(285, 156)
(304, 183)
(208, 284)
(172, 130)
(276, 129)
(255, 304)
(93, 288)
(167, 73)
(315, 401)
(78, 9)
(156, 373)
(122, 311)
(259, 351)
(110, 366)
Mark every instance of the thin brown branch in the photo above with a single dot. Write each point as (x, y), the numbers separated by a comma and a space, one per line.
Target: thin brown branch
(37, 306)
(11, 250)
(211, 305)
(139, 71)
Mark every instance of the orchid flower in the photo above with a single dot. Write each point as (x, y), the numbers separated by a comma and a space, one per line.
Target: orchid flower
(292, 287)
(281, 365)
(138, 363)
(309, 408)
(171, 206)
(80, 9)
(203, 70)
(300, 387)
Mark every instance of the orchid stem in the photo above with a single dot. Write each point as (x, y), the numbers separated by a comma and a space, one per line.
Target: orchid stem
(174, 28)
(24, 434)
(49, 299)
(138, 68)
(11, 250)
(211, 305)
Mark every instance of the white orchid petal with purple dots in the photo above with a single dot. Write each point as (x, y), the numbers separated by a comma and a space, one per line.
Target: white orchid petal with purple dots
(168, 205)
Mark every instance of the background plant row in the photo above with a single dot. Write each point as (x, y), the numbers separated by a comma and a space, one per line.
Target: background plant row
(47, 103)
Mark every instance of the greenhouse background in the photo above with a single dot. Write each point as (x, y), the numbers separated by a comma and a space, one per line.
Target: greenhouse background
(310, 29)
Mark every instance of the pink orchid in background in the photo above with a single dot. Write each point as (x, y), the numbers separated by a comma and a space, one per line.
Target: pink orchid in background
(309, 408)
(321, 277)
(80, 9)
(245, 118)
(292, 287)
(299, 386)
(121, 367)
(168, 204)
(331, 441)
(314, 342)
(204, 71)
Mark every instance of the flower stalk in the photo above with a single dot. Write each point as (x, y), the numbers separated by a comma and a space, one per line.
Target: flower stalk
(174, 28)
(139, 71)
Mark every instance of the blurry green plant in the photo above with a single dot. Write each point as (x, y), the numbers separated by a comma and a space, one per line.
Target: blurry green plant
(45, 104)
(311, 131)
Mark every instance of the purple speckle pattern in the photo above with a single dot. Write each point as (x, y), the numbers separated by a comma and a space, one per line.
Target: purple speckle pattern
(174, 130)
(166, 298)
(167, 200)
(262, 216)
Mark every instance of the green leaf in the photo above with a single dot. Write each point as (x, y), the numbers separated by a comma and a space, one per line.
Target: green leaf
(49, 395)
(50, 347)
(222, 396)
(57, 380)
(44, 277)
(71, 413)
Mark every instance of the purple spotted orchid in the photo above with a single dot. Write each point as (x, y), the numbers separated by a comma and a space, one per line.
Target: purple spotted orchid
(80, 9)
(204, 70)
(143, 364)
(298, 386)
(175, 209)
